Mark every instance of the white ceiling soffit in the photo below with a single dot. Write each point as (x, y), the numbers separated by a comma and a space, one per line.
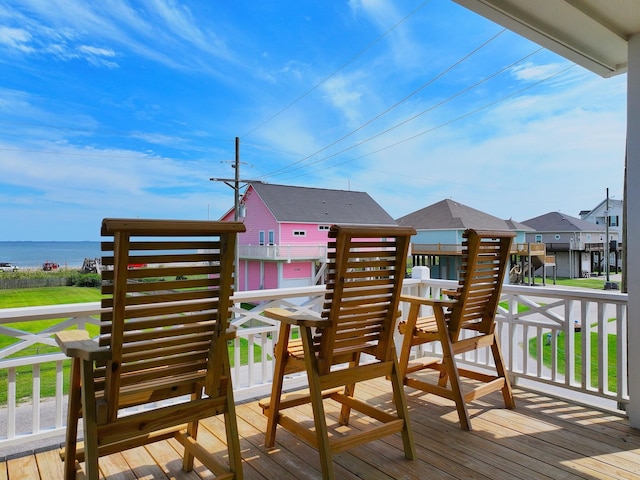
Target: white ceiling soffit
(591, 33)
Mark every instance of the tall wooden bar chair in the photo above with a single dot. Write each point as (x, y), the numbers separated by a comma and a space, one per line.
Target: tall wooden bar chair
(462, 323)
(161, 362)
(351, 342)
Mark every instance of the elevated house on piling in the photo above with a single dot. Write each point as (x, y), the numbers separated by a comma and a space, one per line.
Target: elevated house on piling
(285, 242)
(438, 243)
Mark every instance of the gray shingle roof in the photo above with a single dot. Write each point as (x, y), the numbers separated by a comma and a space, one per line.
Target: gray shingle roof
(448, 214)
(559, 222)
(319, 205)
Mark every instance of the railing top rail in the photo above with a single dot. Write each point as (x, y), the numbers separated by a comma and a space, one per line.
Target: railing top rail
(23, 314)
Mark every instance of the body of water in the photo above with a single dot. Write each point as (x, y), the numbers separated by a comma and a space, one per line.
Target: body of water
(34, 254)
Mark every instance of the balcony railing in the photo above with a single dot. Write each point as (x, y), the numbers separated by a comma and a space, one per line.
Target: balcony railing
(284, 252)
(530, 320)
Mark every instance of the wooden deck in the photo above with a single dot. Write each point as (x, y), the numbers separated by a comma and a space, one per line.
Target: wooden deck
(542, 438)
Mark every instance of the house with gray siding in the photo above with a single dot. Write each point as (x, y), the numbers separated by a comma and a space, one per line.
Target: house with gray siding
(578, 245)
(610, 211)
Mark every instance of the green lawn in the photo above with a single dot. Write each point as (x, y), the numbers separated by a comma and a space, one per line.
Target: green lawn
(595, 283)
(57, 296)
(31, 297)
(612, 373)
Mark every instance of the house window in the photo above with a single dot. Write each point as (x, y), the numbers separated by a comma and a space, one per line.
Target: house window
(261, 237)
(588, 237)
(538, 238)
(272, 235)
(557, 236)
(323, 227)
(299, 233)
(614, 221)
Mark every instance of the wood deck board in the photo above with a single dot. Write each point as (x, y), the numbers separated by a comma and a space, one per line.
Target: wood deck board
(542, 438)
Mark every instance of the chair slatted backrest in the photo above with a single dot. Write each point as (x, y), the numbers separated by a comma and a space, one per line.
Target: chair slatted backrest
(364, 280)
(484, 263)
(167, 286)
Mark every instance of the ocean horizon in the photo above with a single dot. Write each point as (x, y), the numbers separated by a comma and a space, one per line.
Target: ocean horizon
(32, 254)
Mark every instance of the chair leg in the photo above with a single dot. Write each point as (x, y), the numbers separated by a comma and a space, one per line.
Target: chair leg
(349, 390)
(407, 340)
(192, 431)
(450, 370)
(90, 422)
(273, 413)
(402, 410)
(233, 436)
(74, 409)
(319, 419)
(507, 393)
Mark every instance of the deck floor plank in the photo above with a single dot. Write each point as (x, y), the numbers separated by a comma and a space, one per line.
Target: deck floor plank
(23, 467)
(143, 464)
(49, 464)
(543, 438)
(166, 457)
(113, 466)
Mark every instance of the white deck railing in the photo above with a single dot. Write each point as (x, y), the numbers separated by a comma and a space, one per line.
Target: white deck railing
(529, 318)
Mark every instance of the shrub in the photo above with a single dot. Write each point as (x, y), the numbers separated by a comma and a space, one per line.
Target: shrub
(84, 280)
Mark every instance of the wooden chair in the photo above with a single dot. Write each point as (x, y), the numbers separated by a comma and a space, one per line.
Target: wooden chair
(351, 342)
(161, 362)
(462, 323)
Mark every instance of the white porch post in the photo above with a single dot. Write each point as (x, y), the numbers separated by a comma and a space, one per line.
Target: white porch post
(633, 226)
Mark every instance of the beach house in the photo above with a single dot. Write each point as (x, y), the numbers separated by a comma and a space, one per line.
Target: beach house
(438, 242)
(286, 231)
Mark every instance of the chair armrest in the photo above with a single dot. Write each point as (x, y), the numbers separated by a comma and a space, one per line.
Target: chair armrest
(231, 332)
(77, 344)
(450, 293)
(292, 318)
(431, 302)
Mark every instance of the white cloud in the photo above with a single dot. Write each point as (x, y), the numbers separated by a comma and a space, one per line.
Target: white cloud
(98, 56)
(345, 94)
(16, 38)
(530, 72)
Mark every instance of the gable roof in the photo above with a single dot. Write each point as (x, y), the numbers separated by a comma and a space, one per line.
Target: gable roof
(513, 225)
(318, 205)
(448, 214)
(559, 222)
(613, 203)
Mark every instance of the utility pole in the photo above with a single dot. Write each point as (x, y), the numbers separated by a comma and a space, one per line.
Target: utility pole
(236, 188)
(607, 251)
(235, 184)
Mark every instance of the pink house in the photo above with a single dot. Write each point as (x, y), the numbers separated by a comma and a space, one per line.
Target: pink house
(286, 231)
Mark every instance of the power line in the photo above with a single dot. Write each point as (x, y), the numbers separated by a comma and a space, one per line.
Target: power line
(398, 103)
(432, 107)
(448, 122)
(351, 60)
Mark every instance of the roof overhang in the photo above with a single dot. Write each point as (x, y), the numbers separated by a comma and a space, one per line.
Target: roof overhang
(591, 33)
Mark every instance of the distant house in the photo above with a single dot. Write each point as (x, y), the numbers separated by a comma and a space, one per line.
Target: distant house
(608, 208)
(438, 242)
(285, 241)
(577, 244)
(611, 210)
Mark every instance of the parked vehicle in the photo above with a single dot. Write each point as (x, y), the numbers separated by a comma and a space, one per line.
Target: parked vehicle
(48, 266)
(8, 267)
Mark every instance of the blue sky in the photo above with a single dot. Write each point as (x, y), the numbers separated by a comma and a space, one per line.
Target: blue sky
(128, 108)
